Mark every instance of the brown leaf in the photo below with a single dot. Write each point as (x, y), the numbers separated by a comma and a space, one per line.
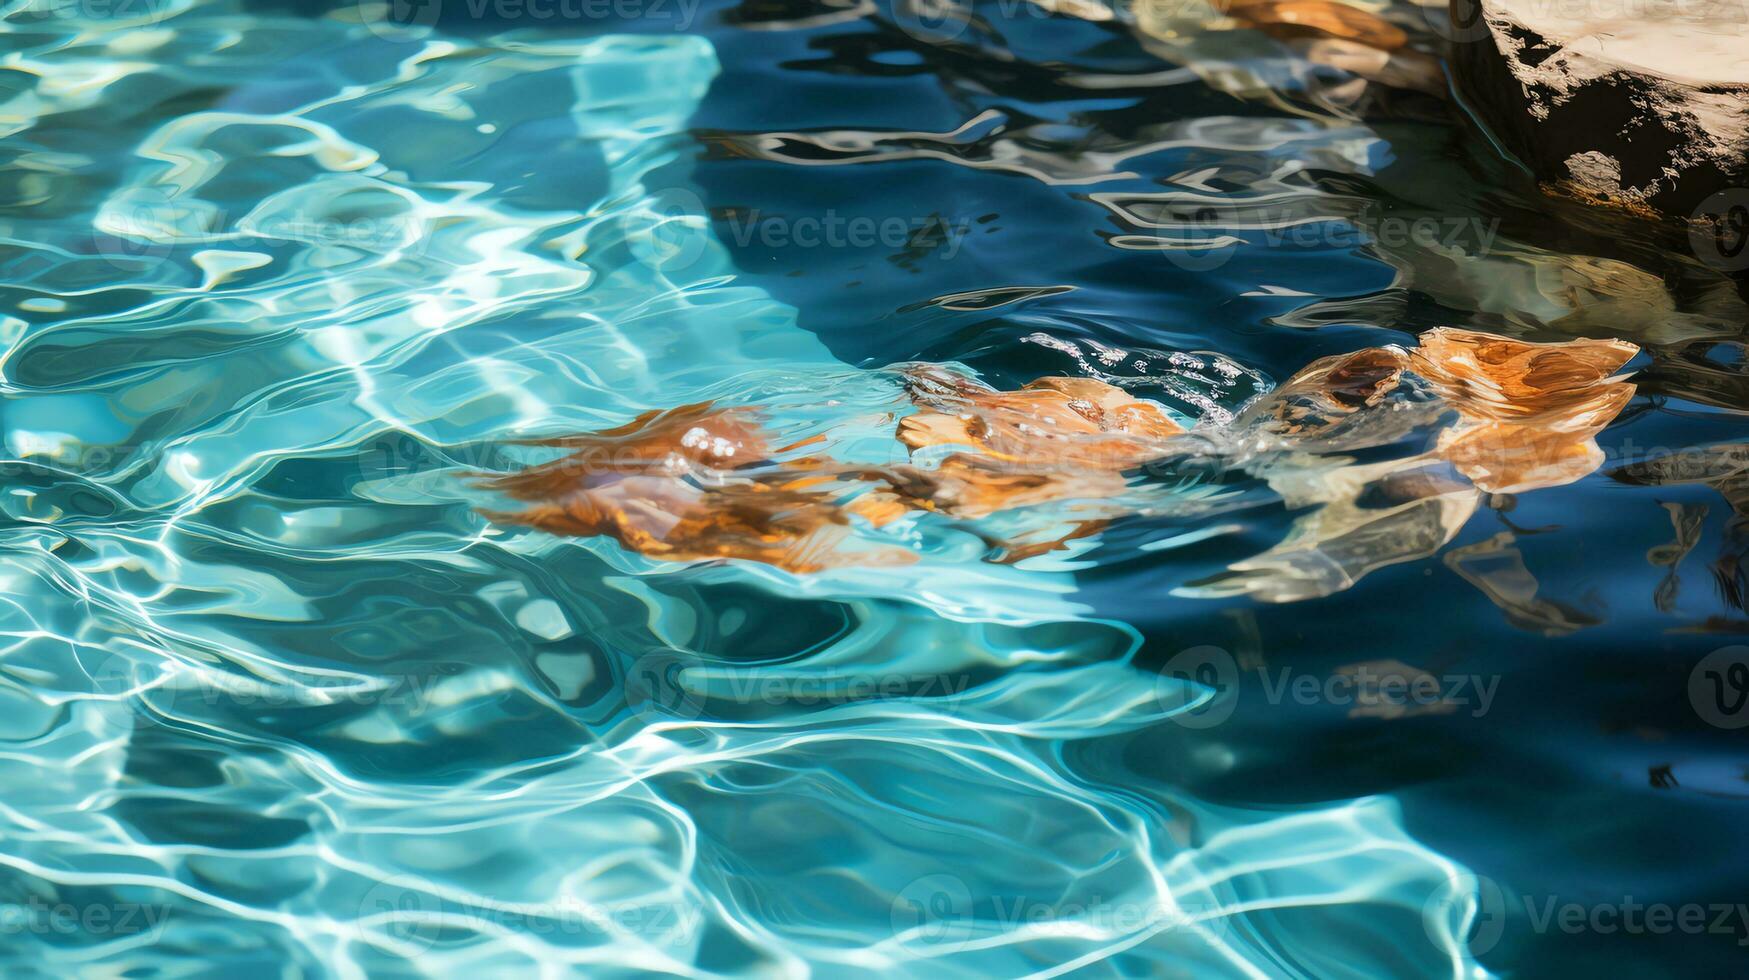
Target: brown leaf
(967, 485)
(1328, 390)
(694, 483)
(1489, 377)
(1528, 412)
(669, 441)
(1316, 18)
(1051, 422)
(1526, 417)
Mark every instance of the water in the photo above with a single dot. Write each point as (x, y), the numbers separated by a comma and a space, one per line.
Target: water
(283, 700)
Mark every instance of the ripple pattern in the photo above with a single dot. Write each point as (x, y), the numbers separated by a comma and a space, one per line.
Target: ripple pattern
(281, 697)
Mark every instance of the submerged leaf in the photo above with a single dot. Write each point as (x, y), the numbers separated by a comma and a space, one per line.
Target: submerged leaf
(1055, 440)
(1323, 401)
(1051, 422)
(1528, 412)
(1488, 377)
(694, 483)
(1525, 417)
(697, 482)
(1316, 18)
(968, 485)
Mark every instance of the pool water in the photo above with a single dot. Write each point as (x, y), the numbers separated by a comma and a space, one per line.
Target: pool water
(287, 692)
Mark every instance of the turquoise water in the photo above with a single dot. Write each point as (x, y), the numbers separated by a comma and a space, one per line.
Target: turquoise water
(281, 700)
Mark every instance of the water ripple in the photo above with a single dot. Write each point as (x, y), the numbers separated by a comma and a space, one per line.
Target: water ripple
(284, 698)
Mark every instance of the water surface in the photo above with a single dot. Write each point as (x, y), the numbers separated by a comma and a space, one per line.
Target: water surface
(283, 698)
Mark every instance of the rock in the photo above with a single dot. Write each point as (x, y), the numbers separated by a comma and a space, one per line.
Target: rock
(1643, 104)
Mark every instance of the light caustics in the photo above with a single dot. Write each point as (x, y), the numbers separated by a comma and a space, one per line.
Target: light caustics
(271, 674)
